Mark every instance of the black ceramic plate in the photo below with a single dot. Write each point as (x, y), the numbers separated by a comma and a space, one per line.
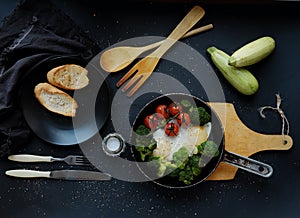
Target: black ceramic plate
(93, 106)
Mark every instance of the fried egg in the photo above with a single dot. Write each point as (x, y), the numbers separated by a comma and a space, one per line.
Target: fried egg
(188, 137)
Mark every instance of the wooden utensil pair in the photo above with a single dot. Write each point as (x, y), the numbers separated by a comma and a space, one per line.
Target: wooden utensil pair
(113, 60)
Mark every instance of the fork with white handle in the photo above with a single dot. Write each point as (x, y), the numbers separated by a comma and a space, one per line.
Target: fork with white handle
(71, 159)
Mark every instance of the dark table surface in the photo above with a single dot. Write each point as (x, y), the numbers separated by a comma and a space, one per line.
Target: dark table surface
(247, 195)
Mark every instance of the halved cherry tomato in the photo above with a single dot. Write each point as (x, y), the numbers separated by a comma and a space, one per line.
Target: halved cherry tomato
(153, 120)
(163, 110)
(171, 129)
(183, 119)
(174, 108)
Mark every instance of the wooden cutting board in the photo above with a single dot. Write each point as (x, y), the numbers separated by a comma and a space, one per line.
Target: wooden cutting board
(242, 140)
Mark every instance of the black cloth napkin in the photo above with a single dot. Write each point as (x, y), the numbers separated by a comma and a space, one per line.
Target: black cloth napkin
(36, 30)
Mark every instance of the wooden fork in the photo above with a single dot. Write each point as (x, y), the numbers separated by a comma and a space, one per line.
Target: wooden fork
(146, 66)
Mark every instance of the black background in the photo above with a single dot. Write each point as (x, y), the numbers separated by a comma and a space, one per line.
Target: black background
(247, 195)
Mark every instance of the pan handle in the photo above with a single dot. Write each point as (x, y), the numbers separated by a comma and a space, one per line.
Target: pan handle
(248, 164)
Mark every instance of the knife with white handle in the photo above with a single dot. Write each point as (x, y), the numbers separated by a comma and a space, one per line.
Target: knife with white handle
(59, 174)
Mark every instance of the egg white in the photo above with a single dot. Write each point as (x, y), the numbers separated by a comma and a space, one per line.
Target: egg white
(188, 137)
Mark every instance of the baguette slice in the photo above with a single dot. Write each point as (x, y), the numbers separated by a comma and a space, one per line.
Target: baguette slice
(68, 76)
(55, 100)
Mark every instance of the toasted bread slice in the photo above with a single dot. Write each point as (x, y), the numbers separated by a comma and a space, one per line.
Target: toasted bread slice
(68, 76)
(55, 100)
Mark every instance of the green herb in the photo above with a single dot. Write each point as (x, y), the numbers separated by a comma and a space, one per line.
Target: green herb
(145, 144)
(186, 103)
(181, 156)
(199, 115)
(208, 148)
(142, 130)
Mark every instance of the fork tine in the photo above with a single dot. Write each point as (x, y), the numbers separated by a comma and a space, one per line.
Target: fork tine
(126, 76)
(82, 162)
(139, 84)
(81, 158)
(131, 82)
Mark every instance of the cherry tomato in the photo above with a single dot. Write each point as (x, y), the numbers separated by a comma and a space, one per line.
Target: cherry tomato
(163, 110)
(171, 129)
(153, 120)
(183, 119)
(174, 108)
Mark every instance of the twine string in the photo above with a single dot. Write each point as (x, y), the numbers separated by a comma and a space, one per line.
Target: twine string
(284, 120)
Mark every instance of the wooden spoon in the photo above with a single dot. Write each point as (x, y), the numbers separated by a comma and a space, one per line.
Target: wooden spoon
(118, 58)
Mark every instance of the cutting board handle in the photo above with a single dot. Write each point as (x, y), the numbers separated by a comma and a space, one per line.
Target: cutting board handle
(241, 140)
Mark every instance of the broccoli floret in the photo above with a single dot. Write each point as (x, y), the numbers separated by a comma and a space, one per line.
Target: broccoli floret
(199, 115)
(208, 148)
(190, 171)
(187, 167)
(164, 167)
(145, 144)
(145, 140)
(194, 164)
(175, 172)
(186, 175)
(186, 103)
(170, 168)
(181, 157)
(161, 166)
(145, 151)
(152, 146)
(184, 168)
(142, 130)
(158, 165)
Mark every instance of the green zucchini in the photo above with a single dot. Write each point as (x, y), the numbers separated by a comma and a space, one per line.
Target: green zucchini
(252, 52)
(239, 78)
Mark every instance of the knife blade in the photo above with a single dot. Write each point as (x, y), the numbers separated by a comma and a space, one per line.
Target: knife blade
(59, 174)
